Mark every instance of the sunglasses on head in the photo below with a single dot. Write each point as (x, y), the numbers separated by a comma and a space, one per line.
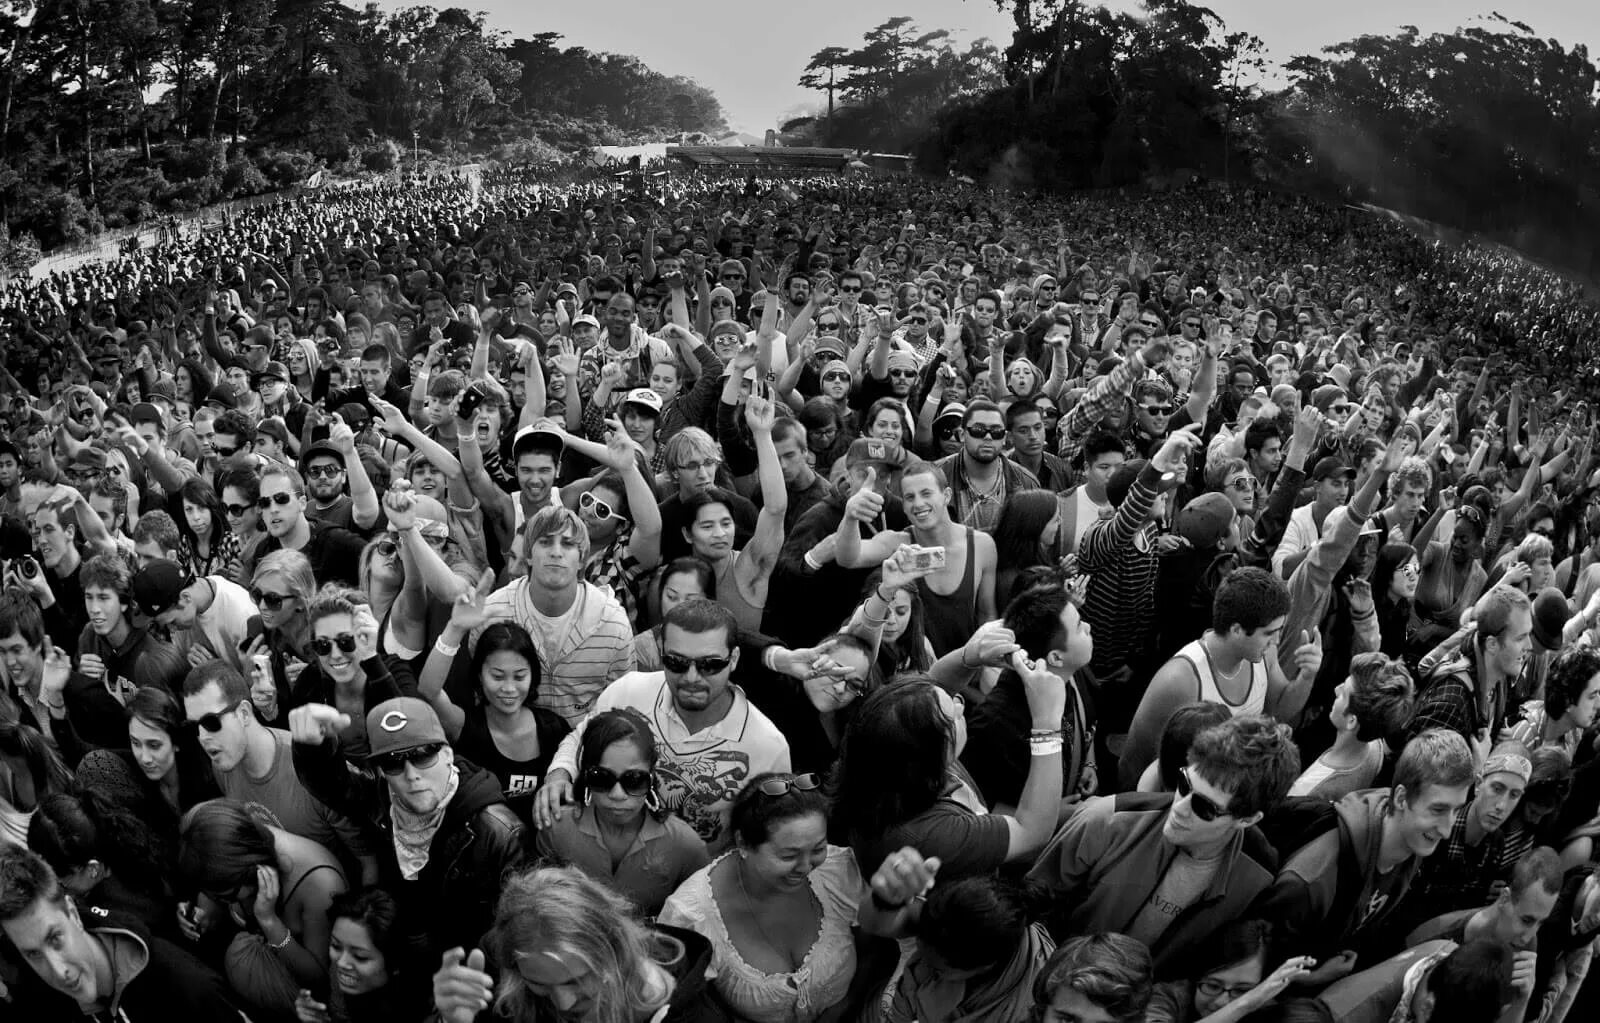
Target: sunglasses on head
(212, 722)
(270, 601)
(601, 509)
(423, 757)
(794, 783)
(324, 646)
(635, 782)
(266, 501)
(1202, 806)
(679, 664)
(986, 432)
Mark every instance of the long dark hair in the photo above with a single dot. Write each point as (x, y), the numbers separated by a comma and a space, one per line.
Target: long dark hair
(506, 636)
(892, 762)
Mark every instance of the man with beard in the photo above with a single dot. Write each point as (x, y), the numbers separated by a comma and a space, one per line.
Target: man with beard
(334, 552)
(114, 657)
(981, 477)
(252, 763)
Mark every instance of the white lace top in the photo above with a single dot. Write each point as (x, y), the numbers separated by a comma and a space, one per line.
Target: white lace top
(824, 975)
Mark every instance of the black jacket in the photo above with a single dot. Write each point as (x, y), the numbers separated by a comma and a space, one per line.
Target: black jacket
(156, 981)
(451, 902)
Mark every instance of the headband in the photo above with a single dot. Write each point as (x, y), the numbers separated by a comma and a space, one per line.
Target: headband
(1508, 763)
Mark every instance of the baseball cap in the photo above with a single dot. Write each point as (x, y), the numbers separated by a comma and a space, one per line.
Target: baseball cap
(401, 724)
(540, 436)
(157, 585)
(645, 398)
(144, 412)
(1331, 465)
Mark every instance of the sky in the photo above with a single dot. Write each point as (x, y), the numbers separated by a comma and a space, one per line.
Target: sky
(751, 53)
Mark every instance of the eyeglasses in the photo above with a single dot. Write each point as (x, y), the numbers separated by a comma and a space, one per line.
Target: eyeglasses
(985, 432)
(635, 782)
(1157, 410)
(324, 646)
(212, 722)
(266, 501)
(235, 510)
(1215, 989)
(1202, 806)
(601, 509)
(422, 758)
(270, 601)
(319, 472)
(783, 786)
(678, 664)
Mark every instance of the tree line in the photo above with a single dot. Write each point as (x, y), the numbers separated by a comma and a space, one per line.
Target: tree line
(112, 111)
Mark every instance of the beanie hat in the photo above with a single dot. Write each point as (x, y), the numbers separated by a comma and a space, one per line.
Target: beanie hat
(1204, 521)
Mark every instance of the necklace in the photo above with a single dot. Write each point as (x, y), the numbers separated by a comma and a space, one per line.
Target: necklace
(755, 914)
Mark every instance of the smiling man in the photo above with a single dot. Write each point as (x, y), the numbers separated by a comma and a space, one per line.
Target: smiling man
(1336, 891)
(90, 963)
(1170, 871)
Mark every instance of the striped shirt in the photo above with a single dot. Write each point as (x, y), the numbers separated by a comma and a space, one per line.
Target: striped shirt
(580, 652)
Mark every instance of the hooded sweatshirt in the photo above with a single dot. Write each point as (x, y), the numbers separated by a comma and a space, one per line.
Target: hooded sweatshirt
(153, 981)
(1329, 895)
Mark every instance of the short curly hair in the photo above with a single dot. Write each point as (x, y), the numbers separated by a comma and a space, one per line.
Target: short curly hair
(1251, 757)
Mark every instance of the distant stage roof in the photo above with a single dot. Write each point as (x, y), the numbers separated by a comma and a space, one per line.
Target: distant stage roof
(794, 157)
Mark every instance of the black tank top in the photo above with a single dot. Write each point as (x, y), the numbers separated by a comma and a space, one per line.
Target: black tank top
(519, 779)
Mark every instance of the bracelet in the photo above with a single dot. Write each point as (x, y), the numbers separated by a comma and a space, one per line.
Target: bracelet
(1045, 747)
(448, 649)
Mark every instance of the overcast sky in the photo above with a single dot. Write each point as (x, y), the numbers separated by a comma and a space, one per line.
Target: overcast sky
(751, 60)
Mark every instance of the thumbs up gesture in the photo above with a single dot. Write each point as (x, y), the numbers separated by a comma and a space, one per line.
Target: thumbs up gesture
(1308, 655)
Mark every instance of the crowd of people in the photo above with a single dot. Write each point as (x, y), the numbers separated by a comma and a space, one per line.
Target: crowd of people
(798, 599)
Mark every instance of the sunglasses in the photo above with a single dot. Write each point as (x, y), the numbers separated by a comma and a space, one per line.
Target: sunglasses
(324, 646)
(601, 509)
(318, 472)
(784, 786)
(212, 722)
(270, 601)
(266, 501)
(422, 758)
(635, 782)
(706, 666)
(1202, 806)
(986, 432)
(1157, 410)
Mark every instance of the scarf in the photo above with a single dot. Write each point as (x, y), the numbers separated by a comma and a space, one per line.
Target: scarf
(413, 832)
(924, 991)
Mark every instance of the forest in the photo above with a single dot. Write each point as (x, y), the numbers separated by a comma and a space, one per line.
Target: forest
(112, 111)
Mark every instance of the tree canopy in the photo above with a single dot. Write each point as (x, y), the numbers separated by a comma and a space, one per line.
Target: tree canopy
(111, 110)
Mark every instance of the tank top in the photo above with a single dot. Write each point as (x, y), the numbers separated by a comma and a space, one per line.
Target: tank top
(729, 596)
(1199, 659)
(519, 779)
(948, 620)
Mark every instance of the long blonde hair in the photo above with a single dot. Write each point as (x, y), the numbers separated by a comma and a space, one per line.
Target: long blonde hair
(561, 911)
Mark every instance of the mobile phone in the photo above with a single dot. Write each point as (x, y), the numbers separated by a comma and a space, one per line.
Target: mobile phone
(929, 558)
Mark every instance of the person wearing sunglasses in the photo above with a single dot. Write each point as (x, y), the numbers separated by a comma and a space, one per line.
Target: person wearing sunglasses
(711, 739)
(1152, 862)
(442, 831)
(334, 553)
(622, 835)
(799, 891)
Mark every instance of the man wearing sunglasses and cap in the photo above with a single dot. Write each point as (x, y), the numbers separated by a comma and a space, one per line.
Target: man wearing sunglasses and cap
(444, 836)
